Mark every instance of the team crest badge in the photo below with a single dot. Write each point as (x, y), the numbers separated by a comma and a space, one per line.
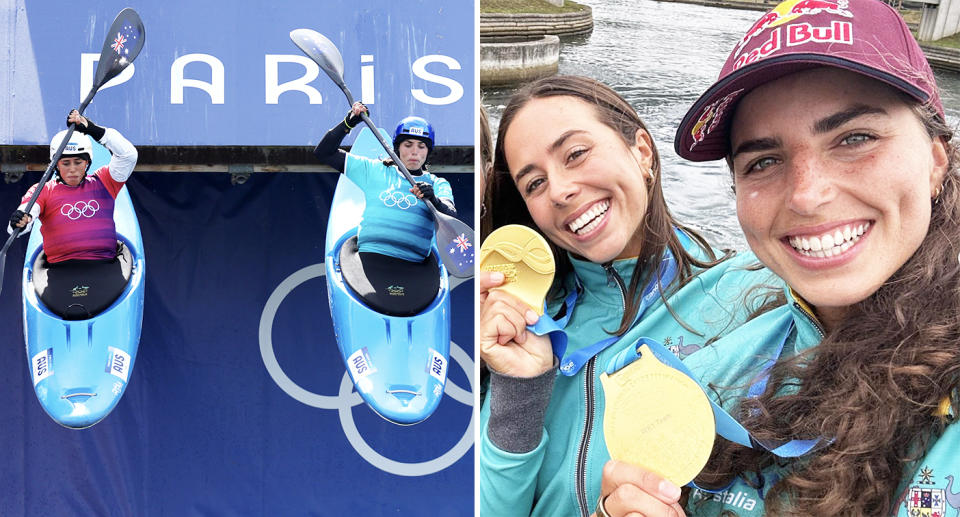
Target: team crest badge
(926, 502)
(925, 499)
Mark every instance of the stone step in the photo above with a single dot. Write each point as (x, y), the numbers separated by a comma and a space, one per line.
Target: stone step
(500, 25)
(942, 57)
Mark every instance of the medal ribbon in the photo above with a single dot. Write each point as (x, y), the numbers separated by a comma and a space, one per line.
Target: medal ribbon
(571, 364)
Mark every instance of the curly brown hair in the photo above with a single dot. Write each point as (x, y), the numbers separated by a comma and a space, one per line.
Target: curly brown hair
(873, 384)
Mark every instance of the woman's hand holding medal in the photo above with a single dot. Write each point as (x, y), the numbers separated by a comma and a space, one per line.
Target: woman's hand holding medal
(631, 490)
(513, 276)
(505, 344)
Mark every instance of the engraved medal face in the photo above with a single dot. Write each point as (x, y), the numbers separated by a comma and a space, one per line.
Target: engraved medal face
(524, 258)
(657, 418)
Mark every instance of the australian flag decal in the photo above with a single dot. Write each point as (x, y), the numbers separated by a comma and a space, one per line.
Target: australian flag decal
(462, 251)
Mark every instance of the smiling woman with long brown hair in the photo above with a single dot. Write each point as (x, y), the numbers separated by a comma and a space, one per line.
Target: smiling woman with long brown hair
(575, 161)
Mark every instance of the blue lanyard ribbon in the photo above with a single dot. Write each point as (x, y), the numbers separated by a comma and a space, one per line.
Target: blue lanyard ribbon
(573, 363)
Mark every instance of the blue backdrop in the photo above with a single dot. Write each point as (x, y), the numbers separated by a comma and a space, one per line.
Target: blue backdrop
(218, 72)
(204, 428)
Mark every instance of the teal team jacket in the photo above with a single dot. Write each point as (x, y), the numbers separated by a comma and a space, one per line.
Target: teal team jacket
(561, 476)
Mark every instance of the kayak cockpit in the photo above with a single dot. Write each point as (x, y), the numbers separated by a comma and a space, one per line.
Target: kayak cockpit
(389, 285)
(80, 290)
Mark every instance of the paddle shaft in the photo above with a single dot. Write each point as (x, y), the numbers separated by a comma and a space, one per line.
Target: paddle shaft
(46, 177)
(387, 147)
(53, 161)
(447, 228)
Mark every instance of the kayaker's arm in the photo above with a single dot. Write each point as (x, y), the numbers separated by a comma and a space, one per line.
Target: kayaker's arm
(446, 207)
(517, 409)
(123, 155)
(513, 442)
(19, 215)
(328, 150)
(424, 190)
(21, 219)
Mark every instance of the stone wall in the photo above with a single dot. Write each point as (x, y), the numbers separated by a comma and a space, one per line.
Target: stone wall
(942, 57)
(509, 62)
(940, 20)
(501, 25)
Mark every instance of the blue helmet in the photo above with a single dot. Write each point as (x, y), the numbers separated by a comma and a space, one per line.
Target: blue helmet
(414, 127)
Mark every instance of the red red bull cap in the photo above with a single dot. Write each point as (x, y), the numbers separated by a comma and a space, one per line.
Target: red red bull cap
(864, 36)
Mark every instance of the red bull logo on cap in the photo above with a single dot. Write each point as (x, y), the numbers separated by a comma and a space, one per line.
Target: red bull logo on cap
(711, 117)
(700, 128)
(790, 10)
(798, 34)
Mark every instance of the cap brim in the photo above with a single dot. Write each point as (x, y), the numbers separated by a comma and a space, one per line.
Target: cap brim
(714, 144)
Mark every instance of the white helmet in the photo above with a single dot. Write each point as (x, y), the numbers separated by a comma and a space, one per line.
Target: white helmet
(79, 145)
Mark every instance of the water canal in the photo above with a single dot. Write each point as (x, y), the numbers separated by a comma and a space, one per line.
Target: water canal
(660, 56)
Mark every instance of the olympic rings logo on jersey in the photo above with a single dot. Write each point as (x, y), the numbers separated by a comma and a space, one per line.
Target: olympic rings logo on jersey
(81, 208)
(398, 199)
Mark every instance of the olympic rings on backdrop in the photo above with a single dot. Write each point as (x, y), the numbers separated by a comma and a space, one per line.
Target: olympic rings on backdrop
(344, 401)
(398, 199)
(81, 208)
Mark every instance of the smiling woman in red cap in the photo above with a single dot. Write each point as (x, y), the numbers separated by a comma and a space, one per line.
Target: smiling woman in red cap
(846, 184)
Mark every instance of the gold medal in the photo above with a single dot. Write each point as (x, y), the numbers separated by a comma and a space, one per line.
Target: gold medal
(524, 258)
(657, 418)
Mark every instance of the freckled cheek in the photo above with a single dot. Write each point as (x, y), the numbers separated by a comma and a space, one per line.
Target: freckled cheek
(752, 211)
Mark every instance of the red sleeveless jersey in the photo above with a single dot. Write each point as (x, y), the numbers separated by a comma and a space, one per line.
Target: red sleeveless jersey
(77, 222)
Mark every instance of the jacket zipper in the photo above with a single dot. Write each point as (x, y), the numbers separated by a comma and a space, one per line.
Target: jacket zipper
(585, 440)
(589, 383)
(811, 317)
(614, 278)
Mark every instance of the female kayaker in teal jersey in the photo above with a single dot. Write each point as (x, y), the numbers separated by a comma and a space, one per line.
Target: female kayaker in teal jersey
(574, 160)
(846, 185)
(396, 222)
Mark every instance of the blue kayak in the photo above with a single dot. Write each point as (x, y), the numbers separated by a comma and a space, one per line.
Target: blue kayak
(81, 365)
(395, 343)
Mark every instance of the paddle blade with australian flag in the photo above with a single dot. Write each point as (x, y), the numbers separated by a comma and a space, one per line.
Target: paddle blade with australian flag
(460, 249)
(122, 47)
